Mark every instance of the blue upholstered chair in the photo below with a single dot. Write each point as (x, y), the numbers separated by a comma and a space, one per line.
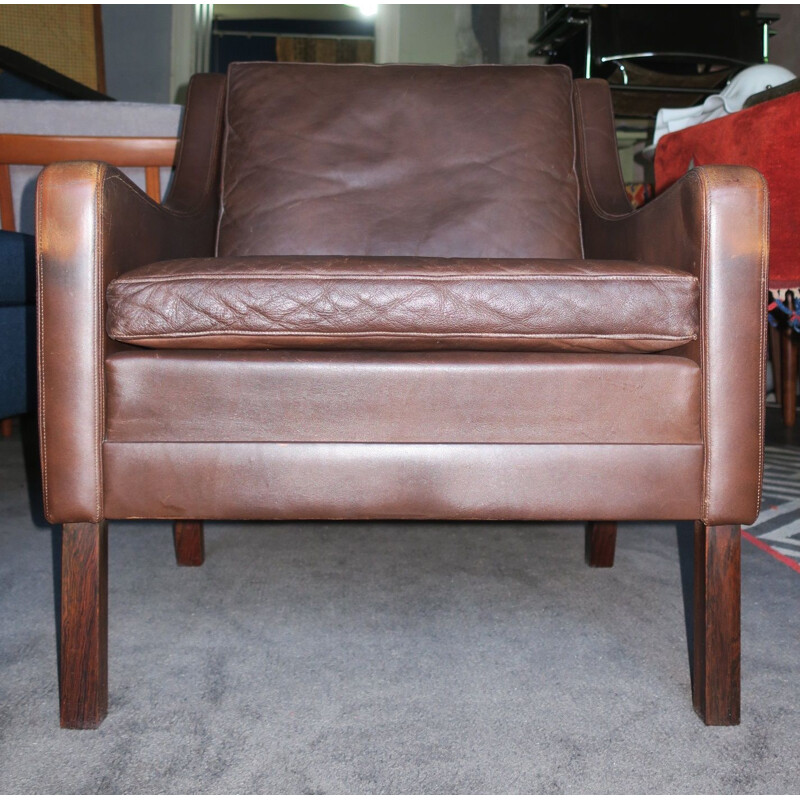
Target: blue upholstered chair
(17, 326)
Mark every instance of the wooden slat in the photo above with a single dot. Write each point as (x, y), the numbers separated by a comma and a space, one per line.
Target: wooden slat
(152, 182)
(121, 151)
(6, 200)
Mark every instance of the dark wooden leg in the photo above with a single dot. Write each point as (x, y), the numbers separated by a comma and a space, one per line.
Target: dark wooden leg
(788, 372)
(775, 358)
(717, 609)
(6, 427)
(601, 541)
(189, 546)
(84, 624)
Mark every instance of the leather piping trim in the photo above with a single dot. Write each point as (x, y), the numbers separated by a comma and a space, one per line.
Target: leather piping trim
(402, 335)
(40, 354)
(590, 195)
(224, 160)
(99, 341)
(704, 395)
(765, 223)
(585, 158)
(426, 277)
(575, 170)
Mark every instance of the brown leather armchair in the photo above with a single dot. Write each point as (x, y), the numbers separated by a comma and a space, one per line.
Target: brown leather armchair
(400, 292)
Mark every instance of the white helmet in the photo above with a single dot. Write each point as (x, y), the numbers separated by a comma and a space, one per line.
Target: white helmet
(744, 84)
(751, 81)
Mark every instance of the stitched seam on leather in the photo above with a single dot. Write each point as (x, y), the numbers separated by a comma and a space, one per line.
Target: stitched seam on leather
(40, 303)
(612, 127)
(643, 211)
(193, 212)
(704, 316)
(215, 143)
(179, 161)
(590, 195)
(328, 277)
(576, 176)
(199, 207)
(413, 335)
(765, 210)
(145, 198)
(98, 335)
(224, 159)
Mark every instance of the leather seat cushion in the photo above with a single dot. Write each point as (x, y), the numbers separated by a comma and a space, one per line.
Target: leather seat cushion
(388, 303)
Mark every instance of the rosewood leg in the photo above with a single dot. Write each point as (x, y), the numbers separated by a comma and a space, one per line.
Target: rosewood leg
(6, 427)
(601, 541)
(189, 545)
(84, 624)
(717, 609)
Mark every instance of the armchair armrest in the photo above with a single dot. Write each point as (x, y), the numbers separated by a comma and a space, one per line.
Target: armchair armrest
(714, 223)
(93, 224)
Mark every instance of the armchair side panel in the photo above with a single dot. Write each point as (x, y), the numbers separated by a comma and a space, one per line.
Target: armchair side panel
(92, 225)
(714, 223)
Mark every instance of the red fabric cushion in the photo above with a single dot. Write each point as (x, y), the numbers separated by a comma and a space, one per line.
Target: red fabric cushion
(766, 137)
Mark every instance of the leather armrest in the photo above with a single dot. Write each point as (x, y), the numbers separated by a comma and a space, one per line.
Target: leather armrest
(714, 223)
(93, 224)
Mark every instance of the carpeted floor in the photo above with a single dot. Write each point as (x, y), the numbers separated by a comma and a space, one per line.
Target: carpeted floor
(392, 657)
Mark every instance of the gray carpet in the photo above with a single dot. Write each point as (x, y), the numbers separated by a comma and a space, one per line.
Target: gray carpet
(391, 657)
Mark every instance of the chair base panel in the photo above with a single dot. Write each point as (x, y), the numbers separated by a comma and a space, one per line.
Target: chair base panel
(446, 397)
(408, 481)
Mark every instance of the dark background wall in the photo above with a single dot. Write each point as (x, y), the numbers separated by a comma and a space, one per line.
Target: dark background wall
(784, 47)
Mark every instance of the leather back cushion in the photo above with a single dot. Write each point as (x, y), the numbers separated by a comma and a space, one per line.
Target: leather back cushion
(399, 160)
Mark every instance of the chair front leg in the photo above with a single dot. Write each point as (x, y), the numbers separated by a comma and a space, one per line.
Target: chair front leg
(84, 624)
(717, 611)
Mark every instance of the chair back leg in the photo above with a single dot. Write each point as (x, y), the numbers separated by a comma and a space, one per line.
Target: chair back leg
(601, 543)
(189, 543)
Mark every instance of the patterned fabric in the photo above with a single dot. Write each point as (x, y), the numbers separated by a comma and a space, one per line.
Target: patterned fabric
(639, 193)
(763, 137)
(778, 525)
(783, 308)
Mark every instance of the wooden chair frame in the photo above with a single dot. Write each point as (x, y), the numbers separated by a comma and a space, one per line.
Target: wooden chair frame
(152, 153)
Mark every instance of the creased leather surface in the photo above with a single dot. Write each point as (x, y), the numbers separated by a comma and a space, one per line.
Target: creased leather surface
(369, 396)
(399, 160)
(178, 480)
(713, 223)
(404, 303)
